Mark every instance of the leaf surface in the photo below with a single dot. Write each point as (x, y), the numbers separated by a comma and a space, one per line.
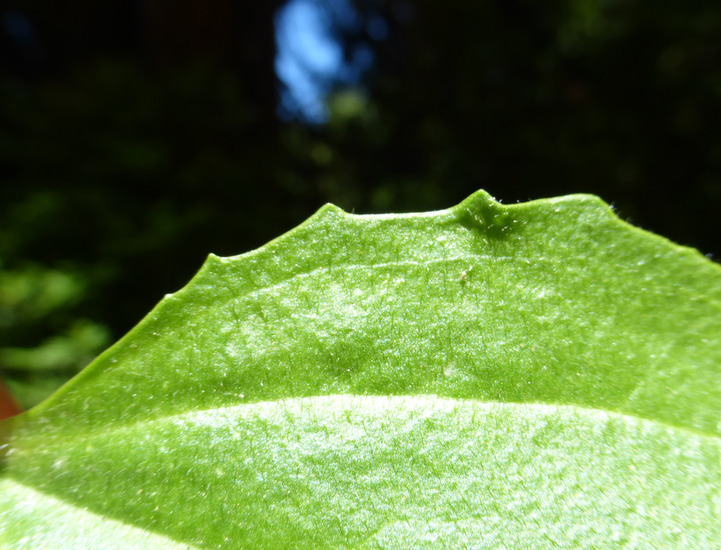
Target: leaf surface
(533, 375)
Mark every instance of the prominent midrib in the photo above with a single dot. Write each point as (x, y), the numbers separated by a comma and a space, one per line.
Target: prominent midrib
(27, 443)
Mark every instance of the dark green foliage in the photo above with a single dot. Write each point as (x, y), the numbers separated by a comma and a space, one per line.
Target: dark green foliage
(126, 154)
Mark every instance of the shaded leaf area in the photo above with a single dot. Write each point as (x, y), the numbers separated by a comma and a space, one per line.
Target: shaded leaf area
(368, 472)
(541, 363)
(554, 301)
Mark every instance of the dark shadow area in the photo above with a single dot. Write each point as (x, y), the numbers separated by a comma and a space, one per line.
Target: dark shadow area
(136, 137)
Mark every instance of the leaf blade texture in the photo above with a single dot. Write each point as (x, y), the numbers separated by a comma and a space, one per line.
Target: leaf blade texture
(535, 374)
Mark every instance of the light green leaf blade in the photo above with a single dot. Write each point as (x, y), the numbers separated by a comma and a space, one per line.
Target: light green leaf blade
(540, 374)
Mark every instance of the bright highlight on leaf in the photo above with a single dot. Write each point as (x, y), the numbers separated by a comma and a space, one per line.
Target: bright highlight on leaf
(534, 375)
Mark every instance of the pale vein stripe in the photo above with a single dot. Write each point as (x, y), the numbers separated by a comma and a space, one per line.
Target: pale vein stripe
(33, 520)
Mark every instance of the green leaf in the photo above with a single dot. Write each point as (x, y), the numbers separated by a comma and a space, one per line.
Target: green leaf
(533, 375)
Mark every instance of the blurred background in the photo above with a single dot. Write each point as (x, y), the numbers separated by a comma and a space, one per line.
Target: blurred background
(137, 136)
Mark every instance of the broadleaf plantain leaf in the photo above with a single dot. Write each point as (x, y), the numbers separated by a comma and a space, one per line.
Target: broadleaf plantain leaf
(534, 375)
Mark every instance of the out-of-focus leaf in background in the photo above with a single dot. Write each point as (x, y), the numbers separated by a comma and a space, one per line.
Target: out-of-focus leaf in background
(34, 300)
(137, 136)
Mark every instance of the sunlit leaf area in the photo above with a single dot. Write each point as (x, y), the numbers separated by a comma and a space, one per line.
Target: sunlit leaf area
(447, 378)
